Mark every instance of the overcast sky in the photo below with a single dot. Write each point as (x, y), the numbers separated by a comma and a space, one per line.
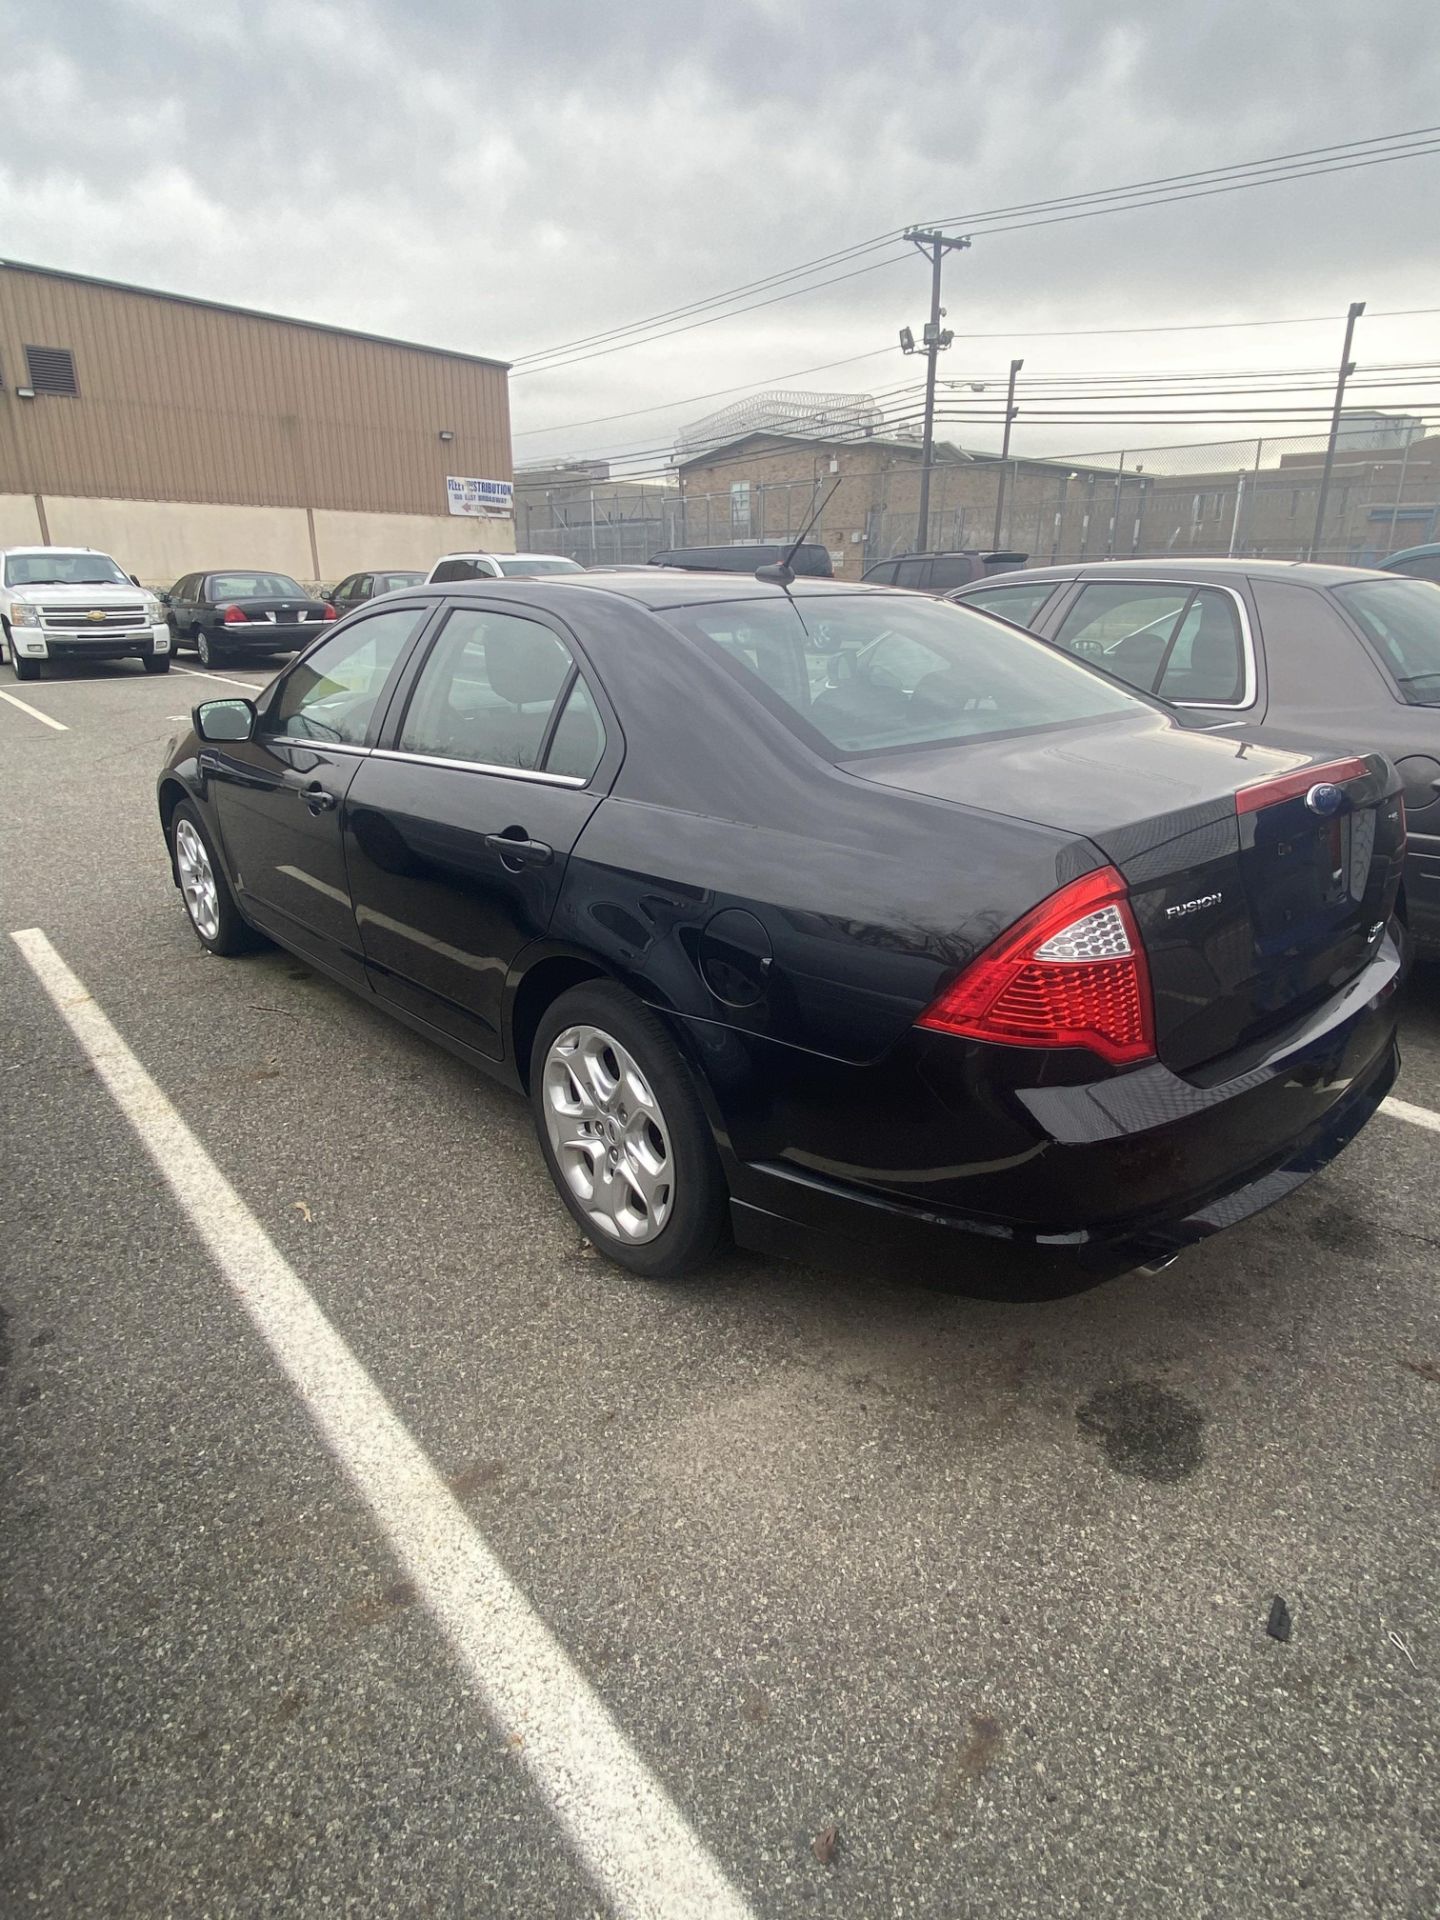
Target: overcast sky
(505, 175)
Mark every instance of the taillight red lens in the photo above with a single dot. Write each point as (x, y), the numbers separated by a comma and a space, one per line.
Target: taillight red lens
(329, 613)
(1070, 973)
(233, 617)
(1269, 793)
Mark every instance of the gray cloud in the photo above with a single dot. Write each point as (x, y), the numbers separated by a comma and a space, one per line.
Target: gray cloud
(502, 177)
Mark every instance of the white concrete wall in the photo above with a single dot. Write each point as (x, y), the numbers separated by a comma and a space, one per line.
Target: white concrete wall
(349, 541)
(19, 523)
(160, 539)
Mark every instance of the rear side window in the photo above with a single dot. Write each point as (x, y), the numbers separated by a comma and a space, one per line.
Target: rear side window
(1018, 605)
(912, 573)
(1181, 641)
(861, 674)
(464, 569)
(950, 570)
(487, 690)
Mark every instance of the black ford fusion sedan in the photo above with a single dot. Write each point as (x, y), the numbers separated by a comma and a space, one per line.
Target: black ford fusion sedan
(849, 922)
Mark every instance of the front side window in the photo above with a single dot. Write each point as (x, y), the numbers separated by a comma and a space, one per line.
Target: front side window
(882, 575)
(61, 569)
(861, 674)
(255, 586)
(1183, 642)
(1401, 621)
(1018, 605)
(333, 694)
(487, 690)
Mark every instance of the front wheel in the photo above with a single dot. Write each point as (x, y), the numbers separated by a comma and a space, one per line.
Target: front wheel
(217, 920)
(624, 1134)
(155, 662)
(22, 669)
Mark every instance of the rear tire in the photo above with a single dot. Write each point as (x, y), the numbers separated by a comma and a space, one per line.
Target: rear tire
(624, 1134)
(209, 902)
(210, 654)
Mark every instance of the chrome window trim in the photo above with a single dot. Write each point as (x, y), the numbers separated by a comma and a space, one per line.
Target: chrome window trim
(1250, 689)
(479, 766)
(309, 740)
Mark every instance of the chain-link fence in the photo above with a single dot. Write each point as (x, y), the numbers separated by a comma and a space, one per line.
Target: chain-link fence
(1253, 497)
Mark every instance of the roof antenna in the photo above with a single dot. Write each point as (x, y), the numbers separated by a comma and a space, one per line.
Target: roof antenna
(780, 572)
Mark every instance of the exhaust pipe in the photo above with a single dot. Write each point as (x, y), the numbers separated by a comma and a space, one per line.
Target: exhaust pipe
(1151, 1267)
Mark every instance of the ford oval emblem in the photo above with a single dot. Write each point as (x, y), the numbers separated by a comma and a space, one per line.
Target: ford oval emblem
(1325, 799)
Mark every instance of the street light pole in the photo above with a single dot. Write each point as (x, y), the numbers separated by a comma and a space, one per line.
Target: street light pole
(934, 246)
(1347, 367)
(1015, 366)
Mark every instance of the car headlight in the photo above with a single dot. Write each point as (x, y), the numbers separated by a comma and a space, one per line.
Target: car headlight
(152, 609)
(23, 615)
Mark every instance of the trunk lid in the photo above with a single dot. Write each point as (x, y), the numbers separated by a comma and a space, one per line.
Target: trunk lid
(1252, 909)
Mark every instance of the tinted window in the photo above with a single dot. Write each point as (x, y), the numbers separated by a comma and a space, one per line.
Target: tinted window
(867, 673)
(1425, 566)
(528, 569)
(464, 569)
(1018, 605)
(255, 586)
(1206, 662)
(912, 573)
(881, 576)
(1401, 620)
(334, 692)
(951, 570)
(487, 690)
(579, 737)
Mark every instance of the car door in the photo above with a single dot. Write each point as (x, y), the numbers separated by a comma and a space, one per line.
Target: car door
(361, 588)
(177, 602)
(1192, 643)
(278, 796)
(459, 825)
(344, 597)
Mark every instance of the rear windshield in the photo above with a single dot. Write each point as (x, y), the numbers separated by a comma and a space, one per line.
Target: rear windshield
(526, 569)
(255, 586)
(1401, 620)
(876, 670)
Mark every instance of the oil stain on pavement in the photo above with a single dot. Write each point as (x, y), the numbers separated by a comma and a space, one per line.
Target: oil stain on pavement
(1146, 1430)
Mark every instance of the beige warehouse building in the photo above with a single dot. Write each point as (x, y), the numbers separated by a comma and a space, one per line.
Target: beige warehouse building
(179, 434)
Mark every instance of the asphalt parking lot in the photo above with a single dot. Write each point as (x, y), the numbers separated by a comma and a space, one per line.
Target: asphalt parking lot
(374, 1548)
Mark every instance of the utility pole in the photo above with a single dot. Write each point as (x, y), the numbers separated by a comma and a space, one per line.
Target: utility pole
(1010, 411)
(934, 246)
(1347, 367)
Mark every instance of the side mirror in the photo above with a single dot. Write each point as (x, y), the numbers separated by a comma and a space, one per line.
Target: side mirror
(225, 719)
(134, 580)
(163, 598)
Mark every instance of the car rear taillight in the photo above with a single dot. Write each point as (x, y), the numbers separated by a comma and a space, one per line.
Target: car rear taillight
(1070, 973)
(329, 613)
(233, 617)
(1288, 786)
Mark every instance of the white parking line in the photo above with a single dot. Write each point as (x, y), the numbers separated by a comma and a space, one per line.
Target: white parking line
(34, 712)
(201, 673)
(631, 1837)
(1417, 1116)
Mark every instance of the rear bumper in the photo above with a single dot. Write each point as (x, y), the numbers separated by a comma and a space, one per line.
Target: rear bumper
(263, 638)
(1120, 1173)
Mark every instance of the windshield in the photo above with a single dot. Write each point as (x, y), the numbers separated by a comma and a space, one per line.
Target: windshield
(63, 570)
(1401, 620)
(255, 586)
(878, 670)
(523, 569)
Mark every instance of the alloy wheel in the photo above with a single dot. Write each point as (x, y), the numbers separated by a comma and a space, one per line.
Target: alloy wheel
(608, 1134)
(197, 881)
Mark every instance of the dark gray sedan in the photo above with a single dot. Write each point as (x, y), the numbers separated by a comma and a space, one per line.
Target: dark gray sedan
(1343, 656)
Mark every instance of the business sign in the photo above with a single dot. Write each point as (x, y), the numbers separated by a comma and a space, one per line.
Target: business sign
(480, 499)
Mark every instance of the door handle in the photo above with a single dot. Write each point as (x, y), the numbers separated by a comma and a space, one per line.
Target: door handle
(318, 799)
(513, 849)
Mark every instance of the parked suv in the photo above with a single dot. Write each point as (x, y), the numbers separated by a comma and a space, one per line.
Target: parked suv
(940, 572)
(498, 566)
(809, 559)
(69, 603)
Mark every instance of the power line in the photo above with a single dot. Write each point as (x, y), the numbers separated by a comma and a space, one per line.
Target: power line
(1236, 177)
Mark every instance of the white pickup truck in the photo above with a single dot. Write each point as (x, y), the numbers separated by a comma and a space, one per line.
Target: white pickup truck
(72, 603)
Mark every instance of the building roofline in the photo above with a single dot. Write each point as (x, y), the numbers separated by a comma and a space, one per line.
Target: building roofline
(251, 313)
